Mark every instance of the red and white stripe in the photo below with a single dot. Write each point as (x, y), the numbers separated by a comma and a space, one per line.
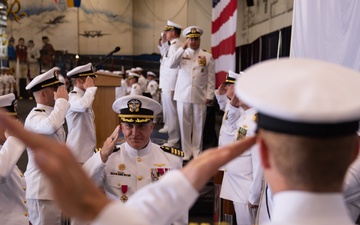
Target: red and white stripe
(223, 37)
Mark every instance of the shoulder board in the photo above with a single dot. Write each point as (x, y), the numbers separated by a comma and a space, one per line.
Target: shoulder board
(74, 92)
(173, 151)
(174, 43)
(206, 51)
(39, 110)
(115, 149)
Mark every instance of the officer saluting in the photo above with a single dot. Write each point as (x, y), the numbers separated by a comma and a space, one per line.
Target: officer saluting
(13, 208)
(195, 86)
(80, 118)
(138, 162)
(46, 118)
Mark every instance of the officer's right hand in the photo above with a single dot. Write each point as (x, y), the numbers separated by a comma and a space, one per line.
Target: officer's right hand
(89, 82)
(109, 145)
(61, 92)
(222, 89)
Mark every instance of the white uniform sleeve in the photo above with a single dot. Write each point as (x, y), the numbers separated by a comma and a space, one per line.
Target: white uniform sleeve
(163, 48)
(234, 115)
(210, 79)
(10, 153)
(352, 182)
(222, 100)
(174, 60)
(117, 213)
(172, 190)
(257, 174)
(82, 103)
(48, 124)
(95, 167)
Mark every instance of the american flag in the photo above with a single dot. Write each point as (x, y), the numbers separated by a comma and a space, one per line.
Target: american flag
(223, 37)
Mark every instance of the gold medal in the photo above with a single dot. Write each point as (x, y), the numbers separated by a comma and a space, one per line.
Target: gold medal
(124, 198)
(122, 167)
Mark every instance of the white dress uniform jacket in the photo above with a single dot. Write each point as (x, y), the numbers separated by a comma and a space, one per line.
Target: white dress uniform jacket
(300, 208)
(48, 121)
(121, 91)
(227, 130)
(13, 208)
(152, 88)
(243, 176)
(136, 89)
(143, 82)
(81, 137)
(150, 205)
(196, 77)
(352, 190)
(129, 170)
(169, 75)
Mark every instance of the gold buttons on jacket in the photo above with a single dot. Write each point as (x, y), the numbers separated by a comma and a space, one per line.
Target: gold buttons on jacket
(21, 174)
(24, 188)
(138, 159)
(24, 201)
(25, 214)
(139, 177)
(118, 184)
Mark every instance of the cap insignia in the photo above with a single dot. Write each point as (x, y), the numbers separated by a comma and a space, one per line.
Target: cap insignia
(134, 105)
(193, 30)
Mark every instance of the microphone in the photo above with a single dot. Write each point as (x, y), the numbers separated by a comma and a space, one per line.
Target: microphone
(113, 51)
(108, 56)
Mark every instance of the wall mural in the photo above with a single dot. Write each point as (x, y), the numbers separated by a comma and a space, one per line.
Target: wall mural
(93, 28)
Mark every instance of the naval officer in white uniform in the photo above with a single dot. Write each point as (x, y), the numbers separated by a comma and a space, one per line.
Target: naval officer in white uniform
(194, 89)
(306, 135)
(46, 118)
(81, 137)
(167, 79)
(13, 207)
(138, 162)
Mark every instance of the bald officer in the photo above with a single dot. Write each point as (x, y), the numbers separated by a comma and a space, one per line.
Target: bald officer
(46, 118)
(194, 89)
(13, 207)
(81, 136)
(138, 162)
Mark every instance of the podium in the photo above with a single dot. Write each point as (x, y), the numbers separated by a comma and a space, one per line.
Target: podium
(105, 118)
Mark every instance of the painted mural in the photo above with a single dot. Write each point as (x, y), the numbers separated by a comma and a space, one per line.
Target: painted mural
(92, 28)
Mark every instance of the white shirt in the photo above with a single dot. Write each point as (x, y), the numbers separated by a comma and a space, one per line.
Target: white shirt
(306, 208)
(13, 208)
(81, 137)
